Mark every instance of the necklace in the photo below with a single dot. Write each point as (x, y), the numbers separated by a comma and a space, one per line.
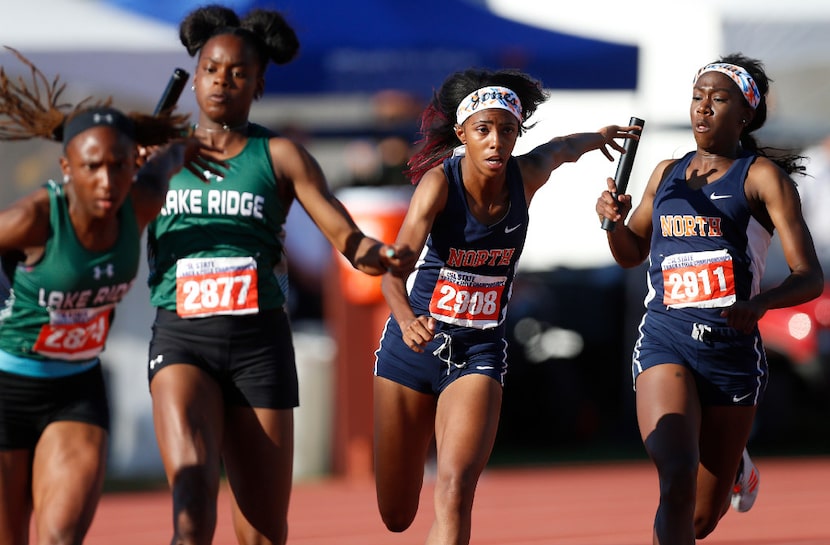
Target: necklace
(225, 128)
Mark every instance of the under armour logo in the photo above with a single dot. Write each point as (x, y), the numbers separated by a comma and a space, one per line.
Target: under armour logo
(156, 361)
(208, 175)
(103, 118)
(109, 270)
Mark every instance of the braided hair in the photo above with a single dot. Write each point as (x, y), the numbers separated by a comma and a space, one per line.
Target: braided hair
(785, 159)
(438, 137)
(33, 109)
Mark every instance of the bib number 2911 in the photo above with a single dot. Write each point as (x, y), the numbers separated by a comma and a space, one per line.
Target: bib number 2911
(699, 279)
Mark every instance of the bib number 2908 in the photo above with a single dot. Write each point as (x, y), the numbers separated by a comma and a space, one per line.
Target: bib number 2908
(466, 299)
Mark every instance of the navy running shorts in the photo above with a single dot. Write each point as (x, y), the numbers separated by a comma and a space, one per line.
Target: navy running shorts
(730, 367)
(450, 355)
(251, 357)
(29, 404)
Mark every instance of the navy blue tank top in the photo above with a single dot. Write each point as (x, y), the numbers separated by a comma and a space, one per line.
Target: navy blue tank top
(465, 275)
(707, 250)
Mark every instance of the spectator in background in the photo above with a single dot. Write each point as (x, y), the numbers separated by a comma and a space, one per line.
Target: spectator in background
(380, 158)
(395, 150)
(361, 157)
(377, 162)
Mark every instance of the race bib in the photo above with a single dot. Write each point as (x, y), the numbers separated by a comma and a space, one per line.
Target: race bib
(698, 279)
(467, 299)
(74, 334)
(216, 285)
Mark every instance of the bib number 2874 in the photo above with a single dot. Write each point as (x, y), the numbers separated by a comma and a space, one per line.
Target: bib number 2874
(75, 334)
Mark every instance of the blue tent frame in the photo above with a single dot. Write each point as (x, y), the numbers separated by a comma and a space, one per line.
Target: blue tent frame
(364, 46)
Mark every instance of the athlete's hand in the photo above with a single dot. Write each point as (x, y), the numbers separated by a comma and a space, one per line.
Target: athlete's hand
(418, 332)
(198, 158)
(744, 315)
(189, 153)
(398, 259)
(614, 210)
(611, 132)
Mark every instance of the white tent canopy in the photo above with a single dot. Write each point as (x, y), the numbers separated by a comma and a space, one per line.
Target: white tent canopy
(95, 48)
(675, 38)
(61, 25)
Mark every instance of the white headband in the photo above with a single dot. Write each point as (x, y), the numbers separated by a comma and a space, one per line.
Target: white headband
(489, 97)
(741, 78)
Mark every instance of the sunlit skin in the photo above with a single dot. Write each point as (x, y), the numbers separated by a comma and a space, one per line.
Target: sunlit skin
(697, 447)
(63, 475)
(490, 137)
(718, 115)
(227, 79)
(57, 484)
(100, 163)
(463, 418)
(198, 431)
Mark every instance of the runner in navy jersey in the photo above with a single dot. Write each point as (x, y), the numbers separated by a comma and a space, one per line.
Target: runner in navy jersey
(442, 357)
(704, 223)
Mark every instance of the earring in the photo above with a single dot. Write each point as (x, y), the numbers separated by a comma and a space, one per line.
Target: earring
(66, 178)
(193, 87)
(743, 121)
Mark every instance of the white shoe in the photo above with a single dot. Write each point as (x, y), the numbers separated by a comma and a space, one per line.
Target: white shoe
(746, 486)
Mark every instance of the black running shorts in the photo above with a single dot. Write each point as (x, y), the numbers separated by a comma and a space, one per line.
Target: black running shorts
(251, 356)
(29, 404)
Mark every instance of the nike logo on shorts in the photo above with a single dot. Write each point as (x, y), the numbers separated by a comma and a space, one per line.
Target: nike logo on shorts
(738, 399)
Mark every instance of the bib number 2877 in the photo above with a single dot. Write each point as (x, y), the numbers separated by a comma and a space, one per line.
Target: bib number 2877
(214, 286)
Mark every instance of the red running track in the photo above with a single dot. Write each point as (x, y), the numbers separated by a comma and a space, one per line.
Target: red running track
(596, 504)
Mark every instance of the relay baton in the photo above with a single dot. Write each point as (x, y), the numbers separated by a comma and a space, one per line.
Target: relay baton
(624, 166)
(172, 93)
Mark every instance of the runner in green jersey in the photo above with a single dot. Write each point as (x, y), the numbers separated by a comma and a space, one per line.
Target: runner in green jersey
(221, 362)
(76, 249)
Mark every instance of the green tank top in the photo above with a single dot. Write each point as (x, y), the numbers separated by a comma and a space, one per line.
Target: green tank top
(61, 308)
(217, 248)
